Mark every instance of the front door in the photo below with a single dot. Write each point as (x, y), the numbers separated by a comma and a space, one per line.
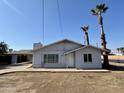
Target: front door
(70, 62)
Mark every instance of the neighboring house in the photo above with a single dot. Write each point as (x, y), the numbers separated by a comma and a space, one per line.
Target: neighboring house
(66, 54)
(20, 56)
(119, 54)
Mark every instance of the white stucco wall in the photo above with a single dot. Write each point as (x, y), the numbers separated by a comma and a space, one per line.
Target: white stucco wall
(14, 59)
(96, 58)
(37, 59)
(58, 48)
(29, 57)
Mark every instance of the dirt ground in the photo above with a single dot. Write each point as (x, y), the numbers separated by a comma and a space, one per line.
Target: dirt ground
(78, 82)
(46, 82)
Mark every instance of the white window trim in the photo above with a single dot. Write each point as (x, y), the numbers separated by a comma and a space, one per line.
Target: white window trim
(52, 59)
(88, 58)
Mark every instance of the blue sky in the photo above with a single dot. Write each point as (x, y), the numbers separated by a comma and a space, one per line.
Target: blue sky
(21, 22)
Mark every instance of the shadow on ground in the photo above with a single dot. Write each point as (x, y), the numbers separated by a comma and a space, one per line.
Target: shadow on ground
(13, 65)
(116, 66)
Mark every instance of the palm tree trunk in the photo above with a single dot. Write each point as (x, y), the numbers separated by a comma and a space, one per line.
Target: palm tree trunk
(103, 43)
(103, 40)
(87, 38)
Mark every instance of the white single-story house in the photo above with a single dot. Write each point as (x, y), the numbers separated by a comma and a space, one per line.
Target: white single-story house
(66, 54)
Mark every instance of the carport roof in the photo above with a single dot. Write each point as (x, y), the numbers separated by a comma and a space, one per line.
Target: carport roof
(21, 52)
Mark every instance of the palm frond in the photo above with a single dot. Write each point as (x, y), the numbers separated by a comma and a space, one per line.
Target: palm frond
(85, 28)
(93, 12)
(100, 8)
(105, 9)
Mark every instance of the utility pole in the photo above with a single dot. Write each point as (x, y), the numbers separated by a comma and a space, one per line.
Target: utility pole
(43, 21)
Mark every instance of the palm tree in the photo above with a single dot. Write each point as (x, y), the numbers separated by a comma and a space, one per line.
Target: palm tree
(85, 29)
(98, 11)
(3, 48)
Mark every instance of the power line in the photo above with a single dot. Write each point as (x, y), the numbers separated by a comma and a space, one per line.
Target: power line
(43, 21)
(60, 20)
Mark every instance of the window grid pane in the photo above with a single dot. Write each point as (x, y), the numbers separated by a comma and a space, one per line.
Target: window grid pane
(50, 58)
(85, 57)
(89, 57)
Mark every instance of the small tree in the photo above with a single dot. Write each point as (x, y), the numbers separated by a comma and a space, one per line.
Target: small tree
(118, 49)
(3, 48)
(85, 30)
(121, 49)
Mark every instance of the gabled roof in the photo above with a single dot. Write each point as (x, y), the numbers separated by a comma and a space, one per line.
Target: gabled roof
(61, 41)
(86, 47)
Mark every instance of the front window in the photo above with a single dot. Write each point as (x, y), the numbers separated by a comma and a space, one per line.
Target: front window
(87, 57)
(51, 58)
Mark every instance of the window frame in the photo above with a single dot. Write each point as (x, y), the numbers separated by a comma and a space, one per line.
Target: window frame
(51, 58)
(87, 58)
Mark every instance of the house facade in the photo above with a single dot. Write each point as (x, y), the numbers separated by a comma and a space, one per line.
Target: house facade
(66, 54)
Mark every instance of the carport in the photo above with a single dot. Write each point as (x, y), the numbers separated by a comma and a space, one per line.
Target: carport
(20, 56)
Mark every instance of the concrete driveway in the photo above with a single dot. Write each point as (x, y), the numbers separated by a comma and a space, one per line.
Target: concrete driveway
(15, 67)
